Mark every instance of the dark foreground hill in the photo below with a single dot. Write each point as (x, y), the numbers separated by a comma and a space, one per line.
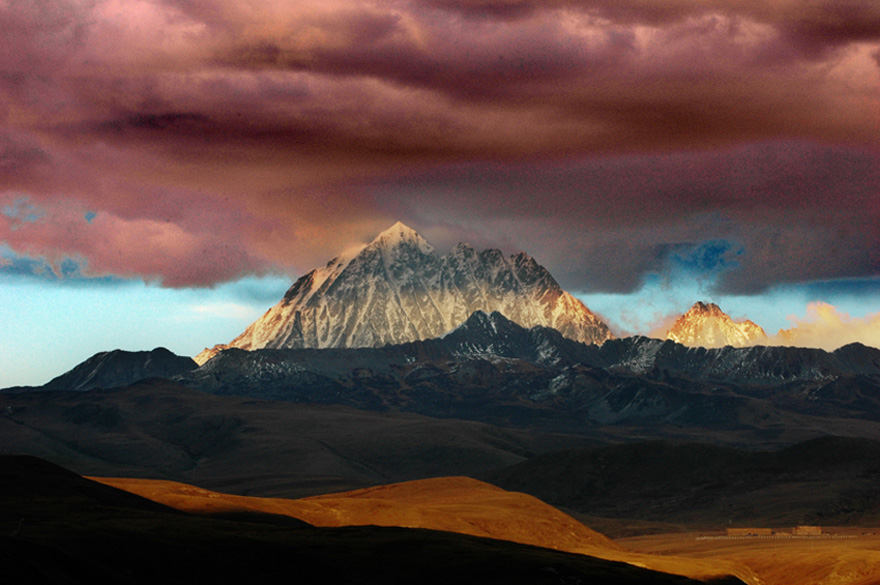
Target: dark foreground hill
(156, 429)
(74, 531)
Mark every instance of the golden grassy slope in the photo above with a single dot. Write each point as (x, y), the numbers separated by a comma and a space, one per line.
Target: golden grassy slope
(453, 504)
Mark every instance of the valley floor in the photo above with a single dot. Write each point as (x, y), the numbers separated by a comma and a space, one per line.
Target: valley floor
(852, 558)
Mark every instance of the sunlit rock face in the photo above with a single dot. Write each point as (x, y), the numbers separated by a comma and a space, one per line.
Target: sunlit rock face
(398, 289)
(706, 325)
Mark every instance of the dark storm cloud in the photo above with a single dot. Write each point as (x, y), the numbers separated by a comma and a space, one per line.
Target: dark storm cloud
(846, 19)
(248, 136)
(766, 214)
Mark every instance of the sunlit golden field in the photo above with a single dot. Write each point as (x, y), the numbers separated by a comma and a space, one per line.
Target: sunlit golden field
(467, 506)
(452, 504)
(853, 560)
(850, 556)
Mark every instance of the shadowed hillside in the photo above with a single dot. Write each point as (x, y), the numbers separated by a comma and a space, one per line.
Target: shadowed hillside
(827, 481)
(157, 429)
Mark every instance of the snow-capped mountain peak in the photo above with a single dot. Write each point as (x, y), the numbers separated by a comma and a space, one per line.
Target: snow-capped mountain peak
(401, 234)
(398, 288)
(706, 309)
(706, 325)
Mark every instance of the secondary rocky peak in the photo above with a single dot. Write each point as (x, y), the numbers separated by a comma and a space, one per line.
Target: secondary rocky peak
(398, 289)
(110, 369)
(482, 320)
(706, 325)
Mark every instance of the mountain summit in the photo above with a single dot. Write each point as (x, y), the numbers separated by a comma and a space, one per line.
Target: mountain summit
(706, 325)
(397, 289)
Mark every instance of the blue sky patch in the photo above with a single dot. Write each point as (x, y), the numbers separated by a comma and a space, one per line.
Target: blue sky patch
(22, 210)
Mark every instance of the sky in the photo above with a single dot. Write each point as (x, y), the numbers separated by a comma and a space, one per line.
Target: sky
(169, 167)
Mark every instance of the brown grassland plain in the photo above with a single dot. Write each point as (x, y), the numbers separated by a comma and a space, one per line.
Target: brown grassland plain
(849, 556)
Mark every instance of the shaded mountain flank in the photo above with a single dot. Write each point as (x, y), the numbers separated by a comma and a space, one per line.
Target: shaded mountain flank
(499, 344)
(81, 532)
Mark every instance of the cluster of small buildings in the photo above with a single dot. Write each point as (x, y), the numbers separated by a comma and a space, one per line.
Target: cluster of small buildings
(796, 531)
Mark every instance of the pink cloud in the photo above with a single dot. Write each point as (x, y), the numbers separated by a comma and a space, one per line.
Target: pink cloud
(112, 245)
(305, 128)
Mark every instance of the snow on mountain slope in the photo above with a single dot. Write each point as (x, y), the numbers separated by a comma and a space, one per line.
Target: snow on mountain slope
(706, 325)
(398, 289)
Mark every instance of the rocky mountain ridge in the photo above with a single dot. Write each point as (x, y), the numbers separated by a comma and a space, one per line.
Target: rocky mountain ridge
(493, 337)
(491, 369)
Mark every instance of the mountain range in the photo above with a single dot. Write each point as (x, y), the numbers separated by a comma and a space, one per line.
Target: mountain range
(393, 326)
(398, 289)
(493, 370)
